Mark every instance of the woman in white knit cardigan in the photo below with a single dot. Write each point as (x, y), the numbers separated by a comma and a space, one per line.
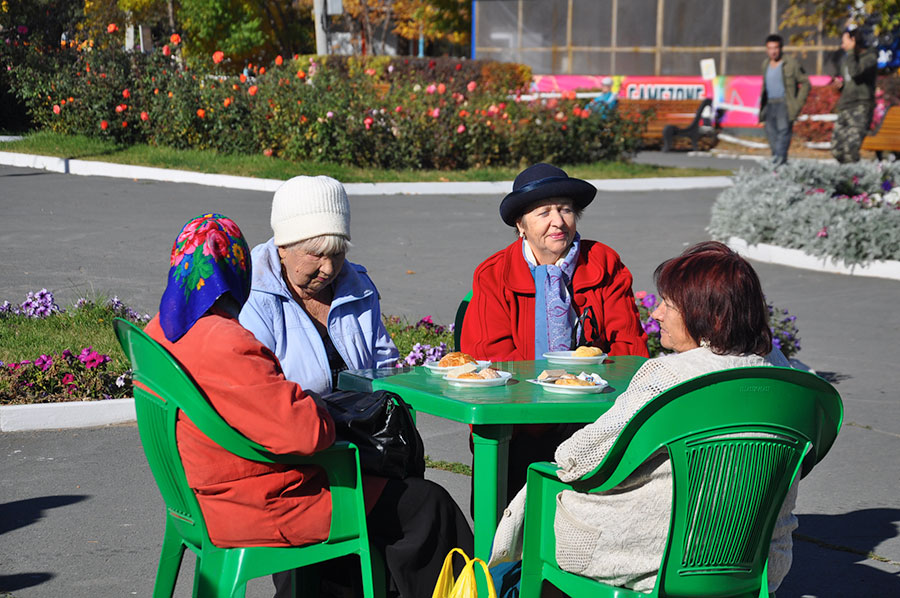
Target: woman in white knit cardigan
(713, 316)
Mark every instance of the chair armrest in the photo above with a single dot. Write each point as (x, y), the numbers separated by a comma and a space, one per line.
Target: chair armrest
(341, 464)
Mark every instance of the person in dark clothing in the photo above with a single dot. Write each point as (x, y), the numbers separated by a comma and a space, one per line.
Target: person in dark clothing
(858, 70)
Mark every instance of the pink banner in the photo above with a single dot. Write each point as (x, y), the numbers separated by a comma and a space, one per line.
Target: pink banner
(737, 98)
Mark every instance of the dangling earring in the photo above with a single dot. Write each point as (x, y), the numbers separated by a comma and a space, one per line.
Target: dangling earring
(521, 234)
(704, 342)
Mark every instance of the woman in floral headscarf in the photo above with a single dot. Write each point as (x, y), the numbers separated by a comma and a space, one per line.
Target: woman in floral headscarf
(413, 522)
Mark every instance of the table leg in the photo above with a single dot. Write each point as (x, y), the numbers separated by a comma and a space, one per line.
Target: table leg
(491, 454)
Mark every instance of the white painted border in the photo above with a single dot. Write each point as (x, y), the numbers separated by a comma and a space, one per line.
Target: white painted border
(75, 414)
(797, 258)
(125, 171)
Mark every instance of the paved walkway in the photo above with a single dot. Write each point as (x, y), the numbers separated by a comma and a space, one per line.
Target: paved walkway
(81, 515)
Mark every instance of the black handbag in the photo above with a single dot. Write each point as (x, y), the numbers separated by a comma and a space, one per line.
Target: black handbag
(381, 425)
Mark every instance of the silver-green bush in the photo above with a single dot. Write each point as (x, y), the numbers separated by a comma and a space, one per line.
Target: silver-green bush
(848, 212)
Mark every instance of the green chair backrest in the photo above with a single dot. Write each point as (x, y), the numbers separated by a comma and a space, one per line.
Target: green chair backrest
(458, 322)
(735, 439)
(161, 389)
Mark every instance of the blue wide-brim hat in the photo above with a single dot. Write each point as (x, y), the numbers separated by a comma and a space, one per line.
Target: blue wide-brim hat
(543, 181)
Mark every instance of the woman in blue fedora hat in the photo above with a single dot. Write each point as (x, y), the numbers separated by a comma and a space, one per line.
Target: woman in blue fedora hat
(550, 290)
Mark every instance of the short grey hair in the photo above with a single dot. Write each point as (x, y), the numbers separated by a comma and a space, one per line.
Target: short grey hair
(322, 245)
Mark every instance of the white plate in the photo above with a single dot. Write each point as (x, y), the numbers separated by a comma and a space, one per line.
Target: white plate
(434, 368)
(566, 389)
(569, 358)
(504, 376)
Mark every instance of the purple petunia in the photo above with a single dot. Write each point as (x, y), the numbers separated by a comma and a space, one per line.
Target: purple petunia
(44, 362)
(887, 186)
(649, 301)
(651, 326)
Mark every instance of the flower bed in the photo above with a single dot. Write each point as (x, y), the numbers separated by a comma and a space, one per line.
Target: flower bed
(66, 374)
(849, 213)
(377, 111)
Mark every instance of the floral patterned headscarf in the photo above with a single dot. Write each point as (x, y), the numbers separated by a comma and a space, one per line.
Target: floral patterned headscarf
(209, 258)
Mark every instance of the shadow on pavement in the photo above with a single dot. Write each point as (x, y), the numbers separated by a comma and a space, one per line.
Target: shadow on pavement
(8, 583)
(21, 513)
(831, 555)
(834, 377)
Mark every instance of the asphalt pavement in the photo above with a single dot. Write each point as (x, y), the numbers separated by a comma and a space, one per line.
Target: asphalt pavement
(81, 516)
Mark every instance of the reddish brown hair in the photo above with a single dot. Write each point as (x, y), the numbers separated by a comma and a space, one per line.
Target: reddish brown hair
(720, 298)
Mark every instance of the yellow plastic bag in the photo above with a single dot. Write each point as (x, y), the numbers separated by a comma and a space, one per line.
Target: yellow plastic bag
(465, 586)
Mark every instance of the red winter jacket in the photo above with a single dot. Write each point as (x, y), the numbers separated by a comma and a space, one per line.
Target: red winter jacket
(247, 503)
(499, 323)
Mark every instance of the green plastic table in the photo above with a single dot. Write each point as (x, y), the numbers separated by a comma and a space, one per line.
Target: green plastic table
(492, 411)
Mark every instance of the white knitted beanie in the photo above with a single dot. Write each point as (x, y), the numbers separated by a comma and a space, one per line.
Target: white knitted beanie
(309, 206)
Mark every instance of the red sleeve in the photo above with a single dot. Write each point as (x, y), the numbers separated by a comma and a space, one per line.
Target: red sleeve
(243, 381)
(488, 330)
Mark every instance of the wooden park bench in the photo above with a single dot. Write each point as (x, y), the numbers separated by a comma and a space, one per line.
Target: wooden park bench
(887, 137)
(670, 119)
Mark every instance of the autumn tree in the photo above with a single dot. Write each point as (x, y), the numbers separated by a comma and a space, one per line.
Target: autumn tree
(370, 21)
(831, 16)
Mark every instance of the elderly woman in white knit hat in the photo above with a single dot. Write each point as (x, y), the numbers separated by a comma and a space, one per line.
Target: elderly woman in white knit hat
(317, 312)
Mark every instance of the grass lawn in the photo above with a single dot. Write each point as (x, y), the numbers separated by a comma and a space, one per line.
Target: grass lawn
(89, 148)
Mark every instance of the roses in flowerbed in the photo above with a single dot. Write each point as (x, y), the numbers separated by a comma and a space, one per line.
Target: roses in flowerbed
(785, 335)
(849, 212)
(52, 374)
(389, 113)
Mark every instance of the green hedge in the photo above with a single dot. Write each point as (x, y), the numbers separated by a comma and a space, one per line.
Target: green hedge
(384, 112)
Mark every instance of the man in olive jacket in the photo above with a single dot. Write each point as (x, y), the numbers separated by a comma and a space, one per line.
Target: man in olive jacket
(784, 91)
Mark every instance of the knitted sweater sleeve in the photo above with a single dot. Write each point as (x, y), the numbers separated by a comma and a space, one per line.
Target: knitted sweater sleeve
(587, 448)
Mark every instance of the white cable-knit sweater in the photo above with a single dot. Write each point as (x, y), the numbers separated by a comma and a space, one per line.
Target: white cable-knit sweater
(618, 536)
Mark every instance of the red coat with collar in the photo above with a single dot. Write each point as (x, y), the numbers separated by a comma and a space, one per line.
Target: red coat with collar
(499, 323)
(247, 503)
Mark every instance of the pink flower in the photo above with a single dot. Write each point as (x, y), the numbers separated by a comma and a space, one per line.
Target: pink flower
(216, 244)
(370, 72)
(431, 88)
(368, 122)
(167, 51)
(329, 114)
(22, 29)
(398, 109)
(68, 379)
(56, 109)
(435, 113)
(471, 86)
(229, 225)
(640, 294)
(823, 232)
(461, 129)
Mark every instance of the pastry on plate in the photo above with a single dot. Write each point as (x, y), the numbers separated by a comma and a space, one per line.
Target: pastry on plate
(550, 374)
(455, 359)
(468, 376)
(570, 380)
(588, 352)
(488, 373)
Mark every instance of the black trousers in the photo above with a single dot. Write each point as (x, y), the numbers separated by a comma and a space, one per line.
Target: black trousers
(414, 524)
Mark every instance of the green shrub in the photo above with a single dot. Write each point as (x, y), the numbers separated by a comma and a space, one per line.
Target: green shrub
(380, 112)
(849, 212)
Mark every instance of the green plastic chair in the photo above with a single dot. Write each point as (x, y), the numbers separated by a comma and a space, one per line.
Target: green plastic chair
(224, 572)
(458, 322)
(728, 489)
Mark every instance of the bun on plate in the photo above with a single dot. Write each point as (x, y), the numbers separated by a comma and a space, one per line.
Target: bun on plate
(588, 352)
(455, 359)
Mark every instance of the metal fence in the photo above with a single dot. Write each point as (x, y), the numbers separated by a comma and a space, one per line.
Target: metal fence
(637, 37)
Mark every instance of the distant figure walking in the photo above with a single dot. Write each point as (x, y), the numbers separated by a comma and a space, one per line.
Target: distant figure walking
(784, 91)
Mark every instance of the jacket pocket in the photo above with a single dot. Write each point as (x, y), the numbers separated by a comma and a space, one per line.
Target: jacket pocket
(575, 540)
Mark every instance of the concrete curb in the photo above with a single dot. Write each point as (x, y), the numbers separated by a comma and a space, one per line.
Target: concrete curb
(796, 258)
(124, 171)
(76, 414)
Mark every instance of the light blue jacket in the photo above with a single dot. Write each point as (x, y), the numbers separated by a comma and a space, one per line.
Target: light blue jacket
(278, 322)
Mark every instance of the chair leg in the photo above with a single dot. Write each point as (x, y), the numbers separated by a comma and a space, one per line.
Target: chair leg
(208, 574)
(170, 559)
